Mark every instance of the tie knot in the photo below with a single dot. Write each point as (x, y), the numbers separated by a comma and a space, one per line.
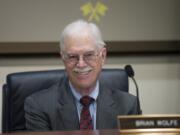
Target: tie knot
(86, 101)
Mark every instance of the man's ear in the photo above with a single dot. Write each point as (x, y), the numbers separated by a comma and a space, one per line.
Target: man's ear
(104, 54)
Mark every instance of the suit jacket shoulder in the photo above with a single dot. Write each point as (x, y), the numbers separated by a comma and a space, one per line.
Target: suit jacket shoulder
(51, 109)
(111, 103)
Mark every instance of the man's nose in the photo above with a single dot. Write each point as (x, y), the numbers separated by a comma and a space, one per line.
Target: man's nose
(81, 62)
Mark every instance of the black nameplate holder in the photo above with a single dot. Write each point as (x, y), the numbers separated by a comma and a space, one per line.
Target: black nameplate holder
(149, 123)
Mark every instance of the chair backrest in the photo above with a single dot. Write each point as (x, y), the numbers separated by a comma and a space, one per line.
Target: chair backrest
(20, 85)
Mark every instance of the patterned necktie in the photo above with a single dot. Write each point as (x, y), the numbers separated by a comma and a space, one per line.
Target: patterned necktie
(85, 119)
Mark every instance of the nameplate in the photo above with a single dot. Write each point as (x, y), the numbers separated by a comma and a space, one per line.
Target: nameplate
(150, 123)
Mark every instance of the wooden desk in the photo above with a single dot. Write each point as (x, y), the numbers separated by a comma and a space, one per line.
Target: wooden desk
(95, 132)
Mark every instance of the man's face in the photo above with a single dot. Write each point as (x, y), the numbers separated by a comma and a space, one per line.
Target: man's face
(83, 61)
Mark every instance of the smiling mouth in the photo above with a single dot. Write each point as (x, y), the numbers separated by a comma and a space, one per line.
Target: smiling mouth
(83, 72)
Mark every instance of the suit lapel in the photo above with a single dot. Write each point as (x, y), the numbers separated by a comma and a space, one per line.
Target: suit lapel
(106, 109)
(67, 108)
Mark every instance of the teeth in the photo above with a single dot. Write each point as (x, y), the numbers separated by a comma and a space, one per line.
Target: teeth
(82, 71)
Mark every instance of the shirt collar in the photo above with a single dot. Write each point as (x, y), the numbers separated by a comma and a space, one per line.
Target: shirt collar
(93, 94)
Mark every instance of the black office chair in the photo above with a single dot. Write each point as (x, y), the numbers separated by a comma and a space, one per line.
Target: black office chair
(20, 85)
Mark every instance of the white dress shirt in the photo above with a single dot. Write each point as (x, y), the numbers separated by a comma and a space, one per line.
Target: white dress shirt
(92, 107)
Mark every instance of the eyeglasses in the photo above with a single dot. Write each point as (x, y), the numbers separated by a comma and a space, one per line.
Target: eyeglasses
(87, 57)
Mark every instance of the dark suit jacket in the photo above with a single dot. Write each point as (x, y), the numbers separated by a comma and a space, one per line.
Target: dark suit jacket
(55, 109)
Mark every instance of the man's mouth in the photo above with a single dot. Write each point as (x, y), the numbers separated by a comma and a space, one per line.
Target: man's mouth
(83, 71)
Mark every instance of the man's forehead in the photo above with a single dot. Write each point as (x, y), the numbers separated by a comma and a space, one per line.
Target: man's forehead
(80, 46)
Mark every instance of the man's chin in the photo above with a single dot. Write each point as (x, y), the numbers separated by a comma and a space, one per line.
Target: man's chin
(82, 77)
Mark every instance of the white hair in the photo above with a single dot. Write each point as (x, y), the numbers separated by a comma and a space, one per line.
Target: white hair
(77, 28)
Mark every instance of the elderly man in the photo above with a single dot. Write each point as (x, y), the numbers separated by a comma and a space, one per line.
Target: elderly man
(80, 101)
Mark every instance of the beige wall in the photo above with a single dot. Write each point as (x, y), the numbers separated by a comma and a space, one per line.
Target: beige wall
(42, 20)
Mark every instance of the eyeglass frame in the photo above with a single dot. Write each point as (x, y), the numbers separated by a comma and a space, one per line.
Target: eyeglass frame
(87, 57)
